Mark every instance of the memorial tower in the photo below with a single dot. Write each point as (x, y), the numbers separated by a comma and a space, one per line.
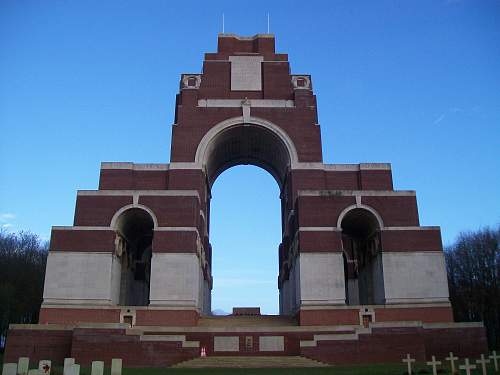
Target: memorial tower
(135, 267)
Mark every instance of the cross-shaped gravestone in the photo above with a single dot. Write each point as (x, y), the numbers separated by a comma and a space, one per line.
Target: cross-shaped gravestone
(452, 362)
(495, 359)
(9, 369)
(483, 363)
(44, 367)
(68, 362)
(74, 370)
(23, 365)
(408, 360)
(434, 365)
(97, 368)
(467, 367)
(116, 366)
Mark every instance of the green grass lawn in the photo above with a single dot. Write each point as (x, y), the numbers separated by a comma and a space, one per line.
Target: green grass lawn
(386, 369)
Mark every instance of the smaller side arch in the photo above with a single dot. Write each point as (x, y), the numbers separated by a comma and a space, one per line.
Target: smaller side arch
(118, 213)
(346, 210)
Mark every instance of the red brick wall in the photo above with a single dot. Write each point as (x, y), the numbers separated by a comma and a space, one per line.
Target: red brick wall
(129, 179)
(98, 211)
(174, 242)
(329, 317)
(411, 240)
(76, 315)
(320, 241)
(105, 344)
(319, 211)
(173, 211)
(422, 314)
(395, 210)
(178, 318)
(82, 240)
(37, 345)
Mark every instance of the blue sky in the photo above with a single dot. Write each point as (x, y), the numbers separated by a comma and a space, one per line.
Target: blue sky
(413, 83)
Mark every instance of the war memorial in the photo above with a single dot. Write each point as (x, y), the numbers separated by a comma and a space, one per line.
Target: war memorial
(360, 280)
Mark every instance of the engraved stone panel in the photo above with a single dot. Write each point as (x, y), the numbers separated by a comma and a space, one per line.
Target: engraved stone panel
(246, 73)
(226, 343)
(271, 343)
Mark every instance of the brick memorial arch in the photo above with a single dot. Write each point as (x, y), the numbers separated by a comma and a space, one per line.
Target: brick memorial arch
(359, 279)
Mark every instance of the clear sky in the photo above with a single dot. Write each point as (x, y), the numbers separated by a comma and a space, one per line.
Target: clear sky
(413, 83)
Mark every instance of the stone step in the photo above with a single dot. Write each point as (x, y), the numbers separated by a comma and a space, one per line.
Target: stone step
(247, 321)
(250, 362)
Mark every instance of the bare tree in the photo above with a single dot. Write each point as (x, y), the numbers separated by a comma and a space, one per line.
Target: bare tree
(473, 264)
(22, 270)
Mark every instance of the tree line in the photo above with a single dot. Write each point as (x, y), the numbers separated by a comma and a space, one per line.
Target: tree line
(473, 265)
(23, 257)
(472, 262)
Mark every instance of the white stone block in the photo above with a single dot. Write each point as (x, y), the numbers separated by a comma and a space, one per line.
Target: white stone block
(44, 367)
(246, 73)
(23, 365)
(226, 344)
(322, 279)
(175, 279)
(9, 369)
(74, 370)
(116, 366)
(415, 277)
(97, 368)
(68, 362)
(271, 343)
(78, 276)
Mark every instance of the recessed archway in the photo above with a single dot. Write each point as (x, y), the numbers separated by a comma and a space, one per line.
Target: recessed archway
(364, 281)
(134, 236)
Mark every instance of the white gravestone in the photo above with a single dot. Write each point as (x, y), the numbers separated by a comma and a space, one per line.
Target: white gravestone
(74, 370)
(434, 365)
(68, 362)
(495, 359)
(44, 367)
(97, 368)
(452, 360)
(408, 360)
(483, 362)
(9, 369)
(23, 365)
(467, 367)
(116, 366)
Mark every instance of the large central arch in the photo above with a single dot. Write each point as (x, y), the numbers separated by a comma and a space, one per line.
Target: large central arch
(256, 141)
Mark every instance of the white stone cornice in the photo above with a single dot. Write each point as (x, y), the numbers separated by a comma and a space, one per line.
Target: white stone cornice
(135, 166)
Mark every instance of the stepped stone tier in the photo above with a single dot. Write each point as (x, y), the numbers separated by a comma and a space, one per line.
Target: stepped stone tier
(359, 279)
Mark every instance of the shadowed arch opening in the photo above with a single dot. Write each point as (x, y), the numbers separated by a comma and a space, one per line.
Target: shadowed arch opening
(242, 144)
(134, 237)
(364, 280)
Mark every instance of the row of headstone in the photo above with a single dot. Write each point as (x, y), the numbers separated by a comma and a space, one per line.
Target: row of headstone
(467, 366)
(70, 367)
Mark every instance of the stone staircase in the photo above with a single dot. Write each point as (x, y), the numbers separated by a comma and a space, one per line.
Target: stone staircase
(250, 362)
